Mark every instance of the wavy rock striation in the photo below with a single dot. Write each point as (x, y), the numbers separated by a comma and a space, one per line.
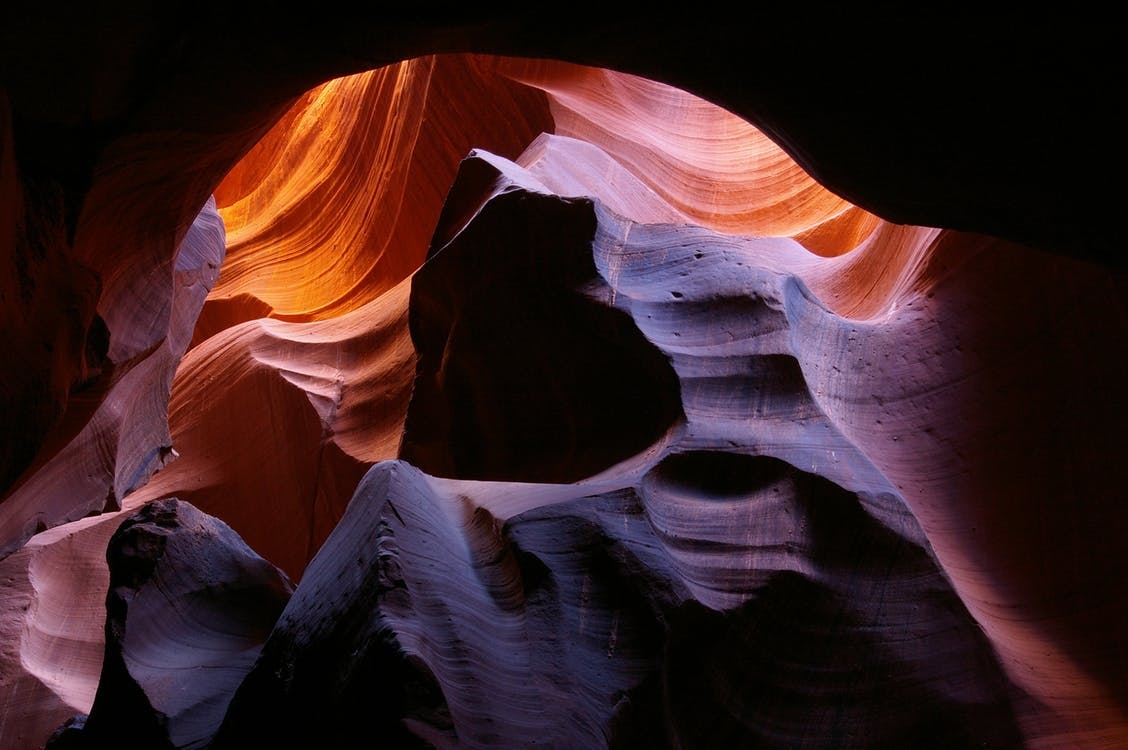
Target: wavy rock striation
(606, 617)
(350, 182)
(739, 570)
(188, 608)
(53, 594)
(752, 494)
(89, 466)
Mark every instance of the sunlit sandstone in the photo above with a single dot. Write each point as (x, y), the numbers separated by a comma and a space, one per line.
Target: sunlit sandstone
(912, 346)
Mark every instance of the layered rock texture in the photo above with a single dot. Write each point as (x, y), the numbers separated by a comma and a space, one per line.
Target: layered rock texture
(188, 609)
(477, 382)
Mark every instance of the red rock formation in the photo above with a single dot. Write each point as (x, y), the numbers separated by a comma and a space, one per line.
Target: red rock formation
(666, 585)
(53, 591)
(85, 467)
(351, 180)
(704, 164)
(972, 378)
(326, 218)
(188, 608)
(600, 597)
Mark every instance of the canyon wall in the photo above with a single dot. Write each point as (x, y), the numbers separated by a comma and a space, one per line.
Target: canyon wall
(654, 395)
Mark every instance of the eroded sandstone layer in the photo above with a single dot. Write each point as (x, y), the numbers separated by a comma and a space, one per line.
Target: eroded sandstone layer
(188, 608)
(742, 568)
(658, 412)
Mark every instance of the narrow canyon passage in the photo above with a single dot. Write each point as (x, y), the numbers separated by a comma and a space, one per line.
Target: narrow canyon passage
(564, 407)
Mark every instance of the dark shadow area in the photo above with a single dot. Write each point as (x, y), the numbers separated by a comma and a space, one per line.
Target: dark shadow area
(800, 666)
(522, 375)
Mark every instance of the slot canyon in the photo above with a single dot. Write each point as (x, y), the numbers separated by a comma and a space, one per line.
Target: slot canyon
(561, 377)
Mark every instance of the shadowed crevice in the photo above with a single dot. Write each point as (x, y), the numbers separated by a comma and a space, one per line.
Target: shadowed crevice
(523, 374)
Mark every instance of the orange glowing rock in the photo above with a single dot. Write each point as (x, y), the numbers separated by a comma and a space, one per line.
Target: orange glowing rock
(708, 166)
(335, 205)
(275, 422)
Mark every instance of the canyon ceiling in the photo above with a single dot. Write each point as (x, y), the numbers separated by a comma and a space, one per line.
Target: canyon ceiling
(561, 377)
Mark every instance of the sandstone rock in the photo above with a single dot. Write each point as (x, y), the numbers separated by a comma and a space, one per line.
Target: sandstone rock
(674, 612)
(53, 594)
(87, 466)
(950, 349)
(188, 609)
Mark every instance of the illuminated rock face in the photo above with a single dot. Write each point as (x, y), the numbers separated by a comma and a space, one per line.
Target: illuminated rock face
(188, 608)
(740, 569)
(600, 603)
(658, 413)
(126, 438)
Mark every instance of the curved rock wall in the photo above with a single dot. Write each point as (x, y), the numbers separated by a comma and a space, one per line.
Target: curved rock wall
(677, 408)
